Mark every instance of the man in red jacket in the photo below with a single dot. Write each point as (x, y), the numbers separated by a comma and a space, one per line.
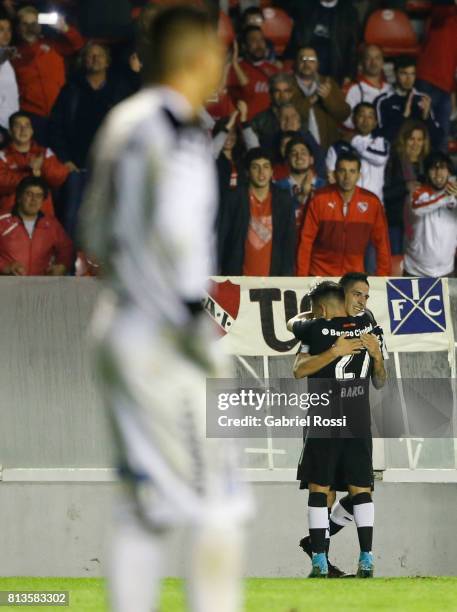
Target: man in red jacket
(32, 244)
(341, 221)
(437, 66)
(24, 157)
(39, 65)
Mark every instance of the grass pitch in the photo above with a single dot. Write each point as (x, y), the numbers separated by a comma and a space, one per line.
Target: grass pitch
(272, 595)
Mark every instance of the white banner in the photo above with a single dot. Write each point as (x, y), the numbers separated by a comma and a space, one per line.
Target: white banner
(252, 313)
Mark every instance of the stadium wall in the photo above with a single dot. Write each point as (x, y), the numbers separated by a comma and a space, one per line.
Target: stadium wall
(54, 429)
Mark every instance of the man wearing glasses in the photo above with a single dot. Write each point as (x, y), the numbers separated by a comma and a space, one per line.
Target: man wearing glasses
(319, 99)
(32, 244)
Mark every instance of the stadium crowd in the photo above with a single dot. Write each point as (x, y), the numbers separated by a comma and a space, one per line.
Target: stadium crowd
(327, 161)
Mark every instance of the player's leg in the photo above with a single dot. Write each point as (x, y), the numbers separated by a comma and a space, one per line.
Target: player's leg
(214, 568)
(174, 475)
(342, 514)
(318, 528)
(134, 560)
(364, 519)
(358, 465)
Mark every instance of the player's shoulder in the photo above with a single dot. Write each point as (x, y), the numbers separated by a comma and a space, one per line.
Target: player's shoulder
(304, 327)
(369, 196)
(369, 317)
(127, 119)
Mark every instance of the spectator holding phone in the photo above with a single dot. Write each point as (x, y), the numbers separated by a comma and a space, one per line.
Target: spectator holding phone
(39, 65)
(9, 95)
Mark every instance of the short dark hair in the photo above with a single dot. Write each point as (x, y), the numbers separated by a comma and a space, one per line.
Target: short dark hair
(404, 61)
(350, 278)
(4, 16)
(326, 290)
(90, 44)
(248, 30)
(167, 31)
(251, 10)
(349, 156)
(280, 77)
(437, 158)
(31, 181)
(16, 115)
(360, 105)
(296, 140)
(255, 154)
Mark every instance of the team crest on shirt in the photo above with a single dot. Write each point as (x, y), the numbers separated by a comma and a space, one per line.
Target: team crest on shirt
(362, 206)
(331, 204)
(223, 304)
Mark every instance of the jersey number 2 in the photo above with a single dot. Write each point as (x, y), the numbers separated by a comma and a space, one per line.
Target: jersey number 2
(342, 364)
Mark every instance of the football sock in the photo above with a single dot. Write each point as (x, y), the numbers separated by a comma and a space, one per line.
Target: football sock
(214, 569)
(364, 519)
(327, 533)
(318, 521)
(134, 565)
(341, 515)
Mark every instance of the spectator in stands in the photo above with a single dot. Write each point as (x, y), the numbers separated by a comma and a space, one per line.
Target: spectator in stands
(248, 78)
(257, 224)
(340, 222)
(331, 28)
(431, 247)
(230, 144)
(266, 123)
(373, 150)
(437, 68)
(302, 179)
(39, 66)
(370, 82)
(291, 121)
(253, 16)
(9, 95)
(76, 116)
(280, 166)
(25, 157)
(404, 170)
(404, 102)
(221, 106)
(33, 244)
(319, 99)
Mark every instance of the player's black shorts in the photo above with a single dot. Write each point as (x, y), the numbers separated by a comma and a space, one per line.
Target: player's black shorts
(336, 462)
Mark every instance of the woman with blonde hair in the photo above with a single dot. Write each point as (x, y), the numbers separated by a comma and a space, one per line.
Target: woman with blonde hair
(403, 173)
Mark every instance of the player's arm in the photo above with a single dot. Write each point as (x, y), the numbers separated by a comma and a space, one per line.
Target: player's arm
(423, 203)
(378, 375)
(306, 365)
(301, 316)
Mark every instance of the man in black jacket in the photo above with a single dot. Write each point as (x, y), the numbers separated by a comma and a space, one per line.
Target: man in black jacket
(75, 118)
(257, 224)
(331, 27)
(404, 102)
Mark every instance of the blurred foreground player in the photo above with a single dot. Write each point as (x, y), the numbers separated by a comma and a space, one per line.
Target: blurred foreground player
(148, 217)
(345, 367)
